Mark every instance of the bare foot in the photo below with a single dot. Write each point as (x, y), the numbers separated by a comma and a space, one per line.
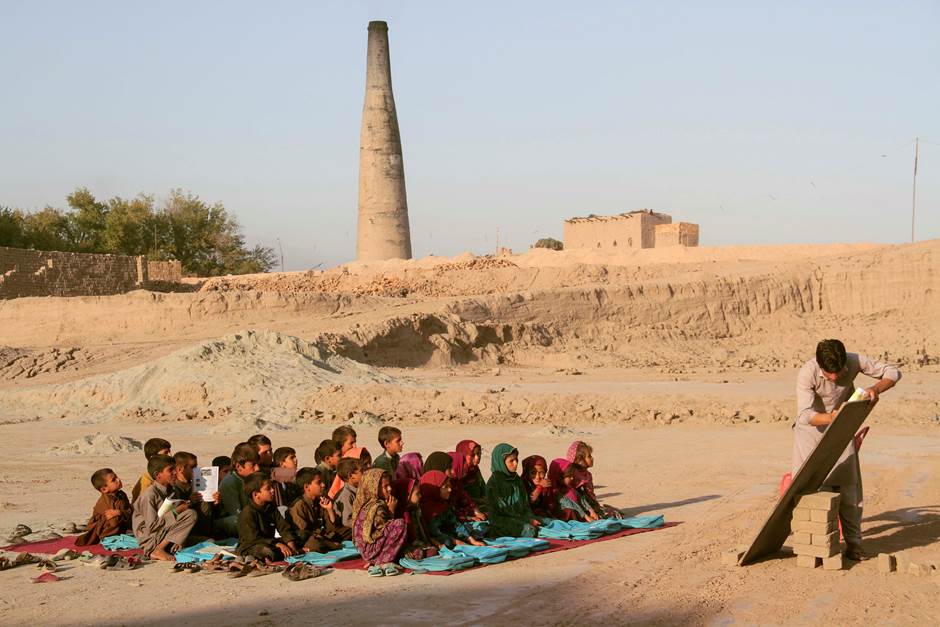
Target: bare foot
(160, 554)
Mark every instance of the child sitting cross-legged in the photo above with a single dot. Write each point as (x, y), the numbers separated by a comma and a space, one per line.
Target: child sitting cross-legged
(581, 456)
(378, 536)
(314, 516)
(510, 513)
(571, 504)
(112, 512)
(442, 525)
(258, 522)
(160, 534)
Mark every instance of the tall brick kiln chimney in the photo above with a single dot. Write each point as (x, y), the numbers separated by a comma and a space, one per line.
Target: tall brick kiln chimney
(383, 231)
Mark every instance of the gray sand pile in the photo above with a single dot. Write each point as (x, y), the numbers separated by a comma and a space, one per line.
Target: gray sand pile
(249, 375)
(98, 444)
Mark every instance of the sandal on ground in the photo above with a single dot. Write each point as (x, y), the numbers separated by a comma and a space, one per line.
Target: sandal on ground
(303, 571)
(215, 565)
(47, 566)
(179, 567)
(121, 563)
(65, 554)
(5, 563)
(391, 570)
(26, 558)
(376, 571)
(264, 569)
(240, 569)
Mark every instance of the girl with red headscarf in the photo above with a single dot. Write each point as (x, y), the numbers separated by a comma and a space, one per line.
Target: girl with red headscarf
(468, 487)
(407, 493)
(569, 503)
(581, 456)
(443, 527)
(540, 489)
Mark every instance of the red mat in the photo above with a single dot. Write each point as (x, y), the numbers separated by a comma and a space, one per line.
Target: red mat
(553, 546)
(67, 542)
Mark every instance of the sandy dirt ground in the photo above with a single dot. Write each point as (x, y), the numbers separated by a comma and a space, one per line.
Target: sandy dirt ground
(678, 367)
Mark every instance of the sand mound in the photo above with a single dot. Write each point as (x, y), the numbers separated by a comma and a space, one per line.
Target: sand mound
(253, 374)
(98, 444)
(18, 363)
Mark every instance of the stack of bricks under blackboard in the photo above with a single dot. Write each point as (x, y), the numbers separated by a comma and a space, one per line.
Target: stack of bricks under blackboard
(815, 528)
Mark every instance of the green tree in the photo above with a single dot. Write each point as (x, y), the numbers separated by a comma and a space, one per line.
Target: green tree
(49, 229)
(11, 228)
(87, 221)
(129, 226)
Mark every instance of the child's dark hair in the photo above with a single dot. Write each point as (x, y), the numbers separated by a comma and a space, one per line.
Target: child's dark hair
(346, 467)
(258, 439)
(182, 457)
(243, 454)
(830, 355)
(326, 449)
(306, 475)
(387, 434)
(254, 482)
(283, 453)
(157, 463)
(100, 477)
(154, 446)
(582, 451)
(222, 461)
(340, 434)
(570, 471)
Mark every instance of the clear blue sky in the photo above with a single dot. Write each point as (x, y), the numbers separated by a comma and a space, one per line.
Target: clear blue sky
(770, 122)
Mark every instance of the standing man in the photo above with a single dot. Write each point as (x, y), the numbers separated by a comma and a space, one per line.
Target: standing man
(822, 385)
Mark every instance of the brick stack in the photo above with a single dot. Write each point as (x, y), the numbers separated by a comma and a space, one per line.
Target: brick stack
(816, 531)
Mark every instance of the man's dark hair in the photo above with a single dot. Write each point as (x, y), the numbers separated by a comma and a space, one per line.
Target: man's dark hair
(258, 439)
(154, 446)
(341, 433)
(222, 461)
(254, 482)
(100, 477)
(347, 466)
(182, 457)
(387, 434)
(326, 448)
(157, 463)
(283, 453)
(305, 475)
(243, 453)
(830, 355)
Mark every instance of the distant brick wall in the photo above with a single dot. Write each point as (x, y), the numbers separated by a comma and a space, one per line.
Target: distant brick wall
(165, 271)
(632, 230)
(41, 273)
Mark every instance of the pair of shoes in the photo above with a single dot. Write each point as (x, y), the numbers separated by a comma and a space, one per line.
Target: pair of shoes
(855, 553)
(390, 570)
(376, 571)
(299, 571)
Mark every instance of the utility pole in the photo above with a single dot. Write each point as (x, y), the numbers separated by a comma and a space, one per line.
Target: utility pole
(281, 248)
(914, 192)
(497, 241)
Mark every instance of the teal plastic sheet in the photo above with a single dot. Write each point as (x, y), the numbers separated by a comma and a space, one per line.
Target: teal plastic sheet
(122, 542)
(205, 551)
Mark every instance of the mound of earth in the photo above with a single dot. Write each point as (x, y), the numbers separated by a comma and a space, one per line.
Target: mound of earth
(254, 374)
(98, 444)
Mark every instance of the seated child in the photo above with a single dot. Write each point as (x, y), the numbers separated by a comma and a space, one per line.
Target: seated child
(345, 439)
(258, 522)
(262, 445)
(349, 472)
(407, 494)
(283, 474)
(112, 513)
(581, 455)
(410, 466)
(442, 525)
(378, 536)
(570, 502)
(540, 489)
(466, 478)
(153, 446)
(182, 489)
(314, 517)
(327, 457)
(365, 463)
(392, 445)
(159, 536)
(510, 513)
(232, 489)
(224, 464)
